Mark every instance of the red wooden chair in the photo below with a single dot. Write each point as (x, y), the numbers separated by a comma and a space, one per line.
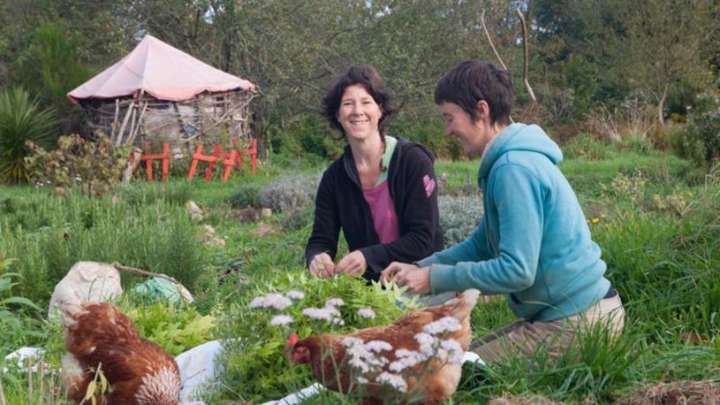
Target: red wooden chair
(163, 157)
(250, 151)
(226, 158)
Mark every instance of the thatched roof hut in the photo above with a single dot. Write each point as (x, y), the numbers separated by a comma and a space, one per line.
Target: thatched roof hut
(158, 93)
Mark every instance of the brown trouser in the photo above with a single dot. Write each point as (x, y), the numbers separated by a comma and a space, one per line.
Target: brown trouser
(522, 338)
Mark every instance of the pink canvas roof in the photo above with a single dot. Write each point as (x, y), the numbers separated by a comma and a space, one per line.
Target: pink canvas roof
(160, 70)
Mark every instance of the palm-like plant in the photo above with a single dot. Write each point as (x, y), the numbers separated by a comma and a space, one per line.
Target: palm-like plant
(21, 120)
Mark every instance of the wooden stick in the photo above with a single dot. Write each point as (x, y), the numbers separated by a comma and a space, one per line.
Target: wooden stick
(125, 121)
(530, 91)
(183, 291)
(133, 134)
(132, 165)
(30, 382)
(131, 129)
(113, 127)
(41, 373)
(492, 45)
(2, 394)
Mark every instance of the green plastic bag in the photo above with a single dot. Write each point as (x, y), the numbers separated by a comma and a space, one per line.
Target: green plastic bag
(156, 289)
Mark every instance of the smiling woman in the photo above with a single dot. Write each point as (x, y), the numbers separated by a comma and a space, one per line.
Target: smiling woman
(381, 192)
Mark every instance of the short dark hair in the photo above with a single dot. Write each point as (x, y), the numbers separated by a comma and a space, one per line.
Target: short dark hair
(474, 80)
(368, 77)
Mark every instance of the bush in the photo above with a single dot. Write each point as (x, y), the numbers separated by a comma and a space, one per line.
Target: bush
(701, 142)
(21, 120)
(585, 146)
(248, 195)
(459, 216)
(93, 167)
(254, 364)
(290, 193)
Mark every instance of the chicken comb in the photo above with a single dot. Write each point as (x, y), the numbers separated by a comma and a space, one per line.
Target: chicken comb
(292, 340)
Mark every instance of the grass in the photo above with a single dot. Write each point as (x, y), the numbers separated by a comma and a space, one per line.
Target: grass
(656, 218)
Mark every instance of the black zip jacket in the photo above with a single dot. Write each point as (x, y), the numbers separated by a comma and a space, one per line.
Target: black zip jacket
(340, 204)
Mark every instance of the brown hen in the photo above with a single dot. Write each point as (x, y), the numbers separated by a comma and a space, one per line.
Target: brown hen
(138, 371)
(409, 372)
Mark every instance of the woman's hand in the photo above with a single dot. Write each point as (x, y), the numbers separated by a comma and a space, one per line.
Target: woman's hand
(416, 279)
(322, 266)
(353, 264)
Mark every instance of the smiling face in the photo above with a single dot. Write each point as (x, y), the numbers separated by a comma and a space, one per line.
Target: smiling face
(359, 114)
(473, 135)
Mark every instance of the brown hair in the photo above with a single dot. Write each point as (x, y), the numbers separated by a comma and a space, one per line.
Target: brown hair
(474, 80)
(368, 77)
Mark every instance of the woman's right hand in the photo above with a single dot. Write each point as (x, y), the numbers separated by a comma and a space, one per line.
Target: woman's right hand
(322, 266)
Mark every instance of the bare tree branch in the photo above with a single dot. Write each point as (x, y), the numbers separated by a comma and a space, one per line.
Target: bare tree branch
(526, 56)
(492, 45)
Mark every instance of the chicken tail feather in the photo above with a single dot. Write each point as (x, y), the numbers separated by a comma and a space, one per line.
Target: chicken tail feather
(463, 304)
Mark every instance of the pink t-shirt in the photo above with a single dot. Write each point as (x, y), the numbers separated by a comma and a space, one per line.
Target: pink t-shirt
(383, 213)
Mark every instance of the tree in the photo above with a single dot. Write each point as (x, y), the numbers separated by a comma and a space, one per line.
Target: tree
(663, 46)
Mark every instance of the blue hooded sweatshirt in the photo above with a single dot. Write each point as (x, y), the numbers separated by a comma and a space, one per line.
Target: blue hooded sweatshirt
(533, 242)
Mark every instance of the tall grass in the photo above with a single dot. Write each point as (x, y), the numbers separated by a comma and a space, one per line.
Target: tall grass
(49, 235)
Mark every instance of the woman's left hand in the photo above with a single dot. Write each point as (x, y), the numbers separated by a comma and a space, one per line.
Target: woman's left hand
(353, 264)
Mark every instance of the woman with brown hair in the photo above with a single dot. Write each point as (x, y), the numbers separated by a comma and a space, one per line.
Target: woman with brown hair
(381, 192)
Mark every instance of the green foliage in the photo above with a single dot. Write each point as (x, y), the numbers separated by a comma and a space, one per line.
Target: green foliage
(591, 368)
(50, 67)
(247, 195)
(290, 193)
(459, 216)
(175, 329)
(21, 120)
(701, 141)
(256, 368)
(18, 329)
(52, 233)
(140, 194)
(93, 167)
(585, 146)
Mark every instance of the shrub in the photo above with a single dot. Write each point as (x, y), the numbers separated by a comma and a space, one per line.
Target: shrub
(459, 216)
(254, 364)
(290, 193)
(21, 120)
(141, 193)
(248, 195)
(586, 146)
(93, 167)
(701, 142)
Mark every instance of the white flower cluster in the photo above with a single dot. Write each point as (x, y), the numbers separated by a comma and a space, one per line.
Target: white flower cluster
(362, 356)
(394, 380)
(334, 302)
(367, 357)
(442, 325)
(366, 313)
(330, 313)
(295, 295)
(281, 320)
(447, 351)
(450, 352)
(271, 300)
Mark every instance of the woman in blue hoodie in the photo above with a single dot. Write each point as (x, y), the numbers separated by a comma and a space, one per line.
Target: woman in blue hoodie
(533, 243)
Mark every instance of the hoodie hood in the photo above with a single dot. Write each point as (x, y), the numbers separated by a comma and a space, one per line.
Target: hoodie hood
(519, 137)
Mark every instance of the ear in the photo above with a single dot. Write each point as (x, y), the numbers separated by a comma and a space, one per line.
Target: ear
(482, 110)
